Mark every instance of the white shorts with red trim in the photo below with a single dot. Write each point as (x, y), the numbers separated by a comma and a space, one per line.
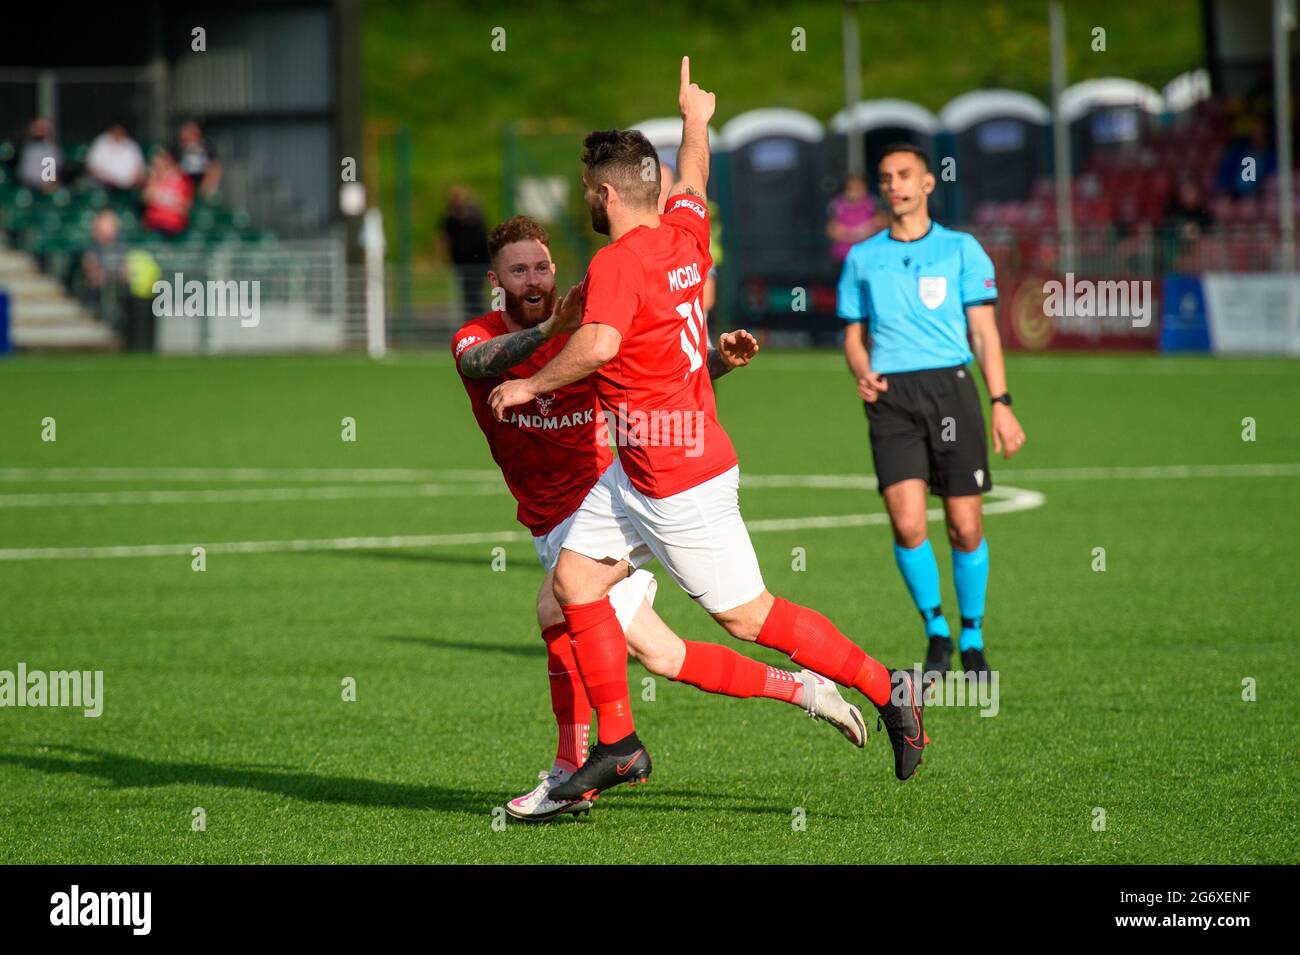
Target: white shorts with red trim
(698, 534)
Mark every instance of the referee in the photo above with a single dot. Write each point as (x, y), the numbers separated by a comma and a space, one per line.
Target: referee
(911, 295)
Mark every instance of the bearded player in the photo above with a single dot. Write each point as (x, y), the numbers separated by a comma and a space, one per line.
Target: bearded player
(674, 493)
(552, 456)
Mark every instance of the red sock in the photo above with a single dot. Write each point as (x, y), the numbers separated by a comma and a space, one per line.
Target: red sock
(600, 649)
(568, 698)
(716, 669)
(811, 640)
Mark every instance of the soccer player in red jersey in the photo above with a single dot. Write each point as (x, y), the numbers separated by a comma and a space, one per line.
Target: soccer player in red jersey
(552, 456)
(674, 485)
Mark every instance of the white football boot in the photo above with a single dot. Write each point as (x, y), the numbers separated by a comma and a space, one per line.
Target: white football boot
(536, 806)
(822, 700)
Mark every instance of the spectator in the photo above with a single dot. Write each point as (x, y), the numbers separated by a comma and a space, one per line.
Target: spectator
(464, 237)
(40, 159)
(1187, 212)
(851, 217)
(103, 268)
(197, 159)
(104, 262)
(168, 196)
(115, 159)
(1247, 162)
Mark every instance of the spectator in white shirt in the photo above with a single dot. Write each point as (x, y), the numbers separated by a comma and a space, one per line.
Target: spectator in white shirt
(115, 159)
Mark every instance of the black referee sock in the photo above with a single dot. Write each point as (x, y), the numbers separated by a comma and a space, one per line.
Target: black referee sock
(936, 625)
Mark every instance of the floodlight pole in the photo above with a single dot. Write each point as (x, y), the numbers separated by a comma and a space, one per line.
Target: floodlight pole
(852, 83)
(1061, 140)
(1283, 24)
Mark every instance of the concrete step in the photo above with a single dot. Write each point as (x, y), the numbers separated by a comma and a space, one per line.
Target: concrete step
(34, 285)
(11, 261)
(38, 312)
(73, 336)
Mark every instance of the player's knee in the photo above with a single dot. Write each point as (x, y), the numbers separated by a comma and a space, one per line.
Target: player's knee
(658, 662)
(548, 611)
(910, 532)
(966, 535)
(746, 621)
(570, 586)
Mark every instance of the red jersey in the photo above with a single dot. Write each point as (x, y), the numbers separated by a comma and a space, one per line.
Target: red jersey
(547, 449)
(657, 390)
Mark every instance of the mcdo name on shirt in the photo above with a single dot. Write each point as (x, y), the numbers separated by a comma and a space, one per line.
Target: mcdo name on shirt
(684, 277)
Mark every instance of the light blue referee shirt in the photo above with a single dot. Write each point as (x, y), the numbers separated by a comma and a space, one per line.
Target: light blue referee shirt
(913, 296)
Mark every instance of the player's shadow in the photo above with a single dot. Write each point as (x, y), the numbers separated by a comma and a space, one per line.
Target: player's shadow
(524, 648)
(120, 771)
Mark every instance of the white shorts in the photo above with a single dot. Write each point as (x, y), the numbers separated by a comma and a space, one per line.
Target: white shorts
(627, 595)
(697, 534)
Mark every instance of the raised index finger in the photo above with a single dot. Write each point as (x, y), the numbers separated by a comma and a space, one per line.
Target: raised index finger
(686, 72)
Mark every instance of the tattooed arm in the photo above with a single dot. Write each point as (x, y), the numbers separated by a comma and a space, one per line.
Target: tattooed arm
(717, 364)
(491, 358)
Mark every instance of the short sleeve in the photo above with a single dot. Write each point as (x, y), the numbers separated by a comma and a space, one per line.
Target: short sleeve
(612, 293)
(690, 213)
(978, 286)
(851, 296)
(472, 334)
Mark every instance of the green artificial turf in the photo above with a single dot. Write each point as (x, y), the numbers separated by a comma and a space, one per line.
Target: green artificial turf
(1119, 690)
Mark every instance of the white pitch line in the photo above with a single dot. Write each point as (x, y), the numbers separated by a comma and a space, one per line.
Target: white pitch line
(1016, 500)
(246, 495)
(1156, 472)
(489, 483)
(466, 475)
(243, 474)
(261, 547)
(1159, 472)
(1007, 500)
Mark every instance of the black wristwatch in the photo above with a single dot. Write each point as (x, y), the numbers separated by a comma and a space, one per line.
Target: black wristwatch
(1002, 399)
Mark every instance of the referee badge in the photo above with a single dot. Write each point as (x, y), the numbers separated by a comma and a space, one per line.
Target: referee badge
(933, 289)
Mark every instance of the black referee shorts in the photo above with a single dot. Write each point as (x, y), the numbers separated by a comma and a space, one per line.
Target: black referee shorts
(930, 425)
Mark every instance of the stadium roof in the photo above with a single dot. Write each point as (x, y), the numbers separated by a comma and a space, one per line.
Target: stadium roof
(872, 114)
(979, 105)
(757, 123)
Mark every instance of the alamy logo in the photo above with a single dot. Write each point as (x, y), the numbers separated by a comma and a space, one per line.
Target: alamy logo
(195, 299)
(656, 429)
(82, 689)
(1084, 298)
(103, 908)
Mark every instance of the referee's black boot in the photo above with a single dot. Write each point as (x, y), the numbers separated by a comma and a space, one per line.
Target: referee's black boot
(972, 661)
(937, 660)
